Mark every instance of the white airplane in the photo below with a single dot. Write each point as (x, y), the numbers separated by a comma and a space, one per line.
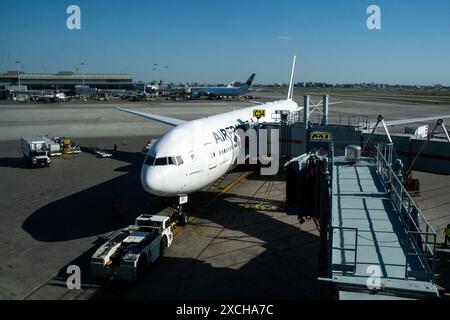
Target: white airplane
(196, 153)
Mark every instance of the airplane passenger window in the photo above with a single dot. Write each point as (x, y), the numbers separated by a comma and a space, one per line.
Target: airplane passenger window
(149, 161)
(161, 162)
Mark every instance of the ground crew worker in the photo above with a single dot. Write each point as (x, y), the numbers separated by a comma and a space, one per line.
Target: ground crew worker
(115, 148)
(447, 234)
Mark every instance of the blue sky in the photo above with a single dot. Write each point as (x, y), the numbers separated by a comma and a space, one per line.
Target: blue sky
(220, 41)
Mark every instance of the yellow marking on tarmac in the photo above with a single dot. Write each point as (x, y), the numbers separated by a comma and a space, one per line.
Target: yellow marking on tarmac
(236, 181)
(198, 234)
(217, 183)
(261, 205)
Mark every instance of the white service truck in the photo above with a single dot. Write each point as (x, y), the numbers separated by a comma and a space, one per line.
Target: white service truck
(54, 149)
(35, 151)
(127, 256)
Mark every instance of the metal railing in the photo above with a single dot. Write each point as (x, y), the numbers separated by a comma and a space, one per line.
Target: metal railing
(420, 248)
(383, 160)
(356, 121)
(345, 267)
(295, 117)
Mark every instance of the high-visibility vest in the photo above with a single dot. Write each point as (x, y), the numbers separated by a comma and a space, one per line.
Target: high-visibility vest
(447, 233)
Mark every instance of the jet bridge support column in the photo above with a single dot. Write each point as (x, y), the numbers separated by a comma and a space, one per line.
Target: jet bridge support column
(326, 99)
(306, 100)
(325, 209)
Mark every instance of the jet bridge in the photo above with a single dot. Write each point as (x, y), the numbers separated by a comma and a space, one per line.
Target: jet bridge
(379, 241)
(375, 242)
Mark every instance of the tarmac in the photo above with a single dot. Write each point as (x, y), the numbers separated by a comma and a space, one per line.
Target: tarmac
(240, 243)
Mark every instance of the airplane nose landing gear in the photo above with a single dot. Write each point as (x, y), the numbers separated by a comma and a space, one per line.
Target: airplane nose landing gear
(179, 216)
(182, 218)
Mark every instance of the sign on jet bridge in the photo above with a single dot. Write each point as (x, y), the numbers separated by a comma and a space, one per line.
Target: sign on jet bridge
(320, 136)
(259, 113)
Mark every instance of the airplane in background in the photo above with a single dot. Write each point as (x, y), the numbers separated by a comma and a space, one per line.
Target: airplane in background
(229, 91)
(42, 96)
(196, 153)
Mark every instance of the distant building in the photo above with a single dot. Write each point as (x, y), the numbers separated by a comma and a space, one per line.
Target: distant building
(85, 91)
(65, 80)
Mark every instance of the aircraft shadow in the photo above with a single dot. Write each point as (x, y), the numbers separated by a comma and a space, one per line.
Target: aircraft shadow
(96, 210)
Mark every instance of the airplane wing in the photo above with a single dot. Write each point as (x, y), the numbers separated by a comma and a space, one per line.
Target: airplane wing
(166, 120)
(333, 103)
(329, 103)
(407, 121)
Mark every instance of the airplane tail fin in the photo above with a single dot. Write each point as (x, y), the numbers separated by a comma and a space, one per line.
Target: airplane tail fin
(250, 80)
(231, 84)
(290, 95)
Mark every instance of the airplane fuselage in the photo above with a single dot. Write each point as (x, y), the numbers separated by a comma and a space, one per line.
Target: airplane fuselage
(218, 91)
(229, 91)
(195, 154)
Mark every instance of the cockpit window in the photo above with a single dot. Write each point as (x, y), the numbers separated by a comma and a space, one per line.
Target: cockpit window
(161, 162)
(171, 161)
(150, 161)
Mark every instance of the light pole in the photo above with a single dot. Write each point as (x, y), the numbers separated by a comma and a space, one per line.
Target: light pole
(82, 65)
(18, 73)
(166, 68)
(77, 71)
(156, 68)
(45, 72)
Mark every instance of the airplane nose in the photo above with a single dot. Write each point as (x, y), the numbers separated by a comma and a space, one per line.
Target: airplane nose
(152, 180)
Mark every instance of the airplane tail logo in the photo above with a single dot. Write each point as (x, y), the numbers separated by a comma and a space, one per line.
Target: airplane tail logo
(250, 80)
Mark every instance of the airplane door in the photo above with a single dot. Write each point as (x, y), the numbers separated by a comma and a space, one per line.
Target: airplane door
(212, 157)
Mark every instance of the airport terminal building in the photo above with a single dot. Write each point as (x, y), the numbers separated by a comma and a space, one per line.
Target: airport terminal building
(65, 80)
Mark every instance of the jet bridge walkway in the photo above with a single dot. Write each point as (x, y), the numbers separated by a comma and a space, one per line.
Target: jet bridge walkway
(380, 245)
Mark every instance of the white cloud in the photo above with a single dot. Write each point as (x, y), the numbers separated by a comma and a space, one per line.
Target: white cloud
(283, 38)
